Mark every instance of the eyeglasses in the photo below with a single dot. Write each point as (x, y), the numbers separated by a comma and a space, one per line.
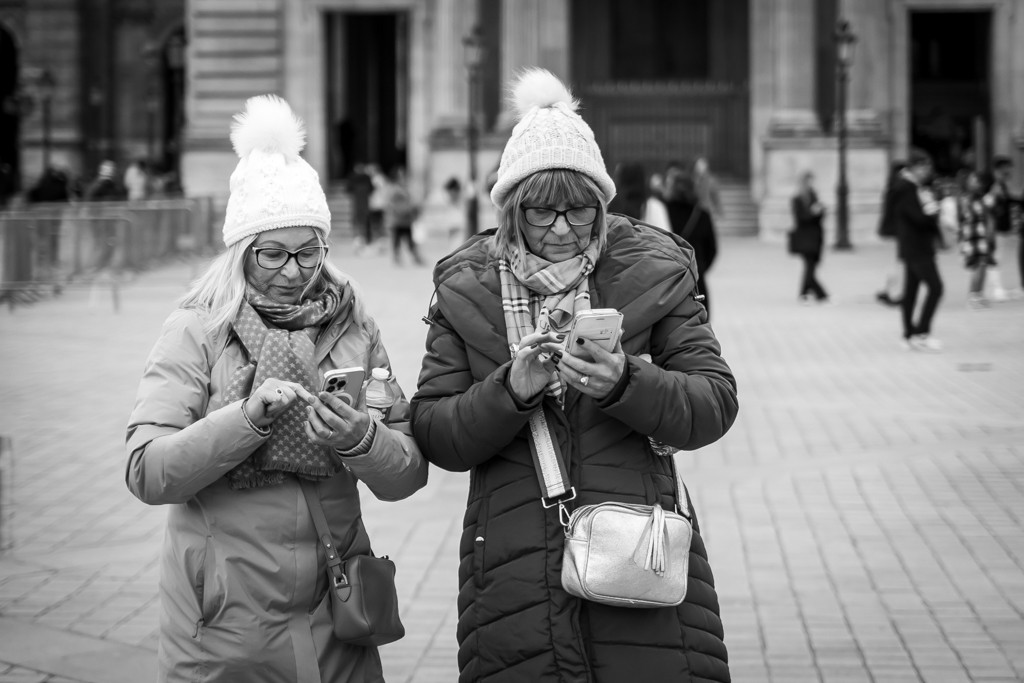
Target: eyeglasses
(273, 258)
(544, 217)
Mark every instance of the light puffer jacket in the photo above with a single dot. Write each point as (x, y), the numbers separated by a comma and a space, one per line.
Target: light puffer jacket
(515, 621)
(242, 584)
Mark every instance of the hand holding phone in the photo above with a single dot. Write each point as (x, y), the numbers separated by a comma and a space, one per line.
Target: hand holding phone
(344, 383)
(599, 325)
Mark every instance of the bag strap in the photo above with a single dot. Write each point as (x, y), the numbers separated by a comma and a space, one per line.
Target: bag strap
(550, 467)
(554, 479)
(335, 567)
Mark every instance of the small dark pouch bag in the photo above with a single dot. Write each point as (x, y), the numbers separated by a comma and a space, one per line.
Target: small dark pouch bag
(364, 601)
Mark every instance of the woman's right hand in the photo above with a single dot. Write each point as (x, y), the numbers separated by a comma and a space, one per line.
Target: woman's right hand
(269, 401)
(537, 358)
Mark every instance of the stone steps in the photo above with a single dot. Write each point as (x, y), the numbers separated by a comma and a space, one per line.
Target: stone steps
(739, 212)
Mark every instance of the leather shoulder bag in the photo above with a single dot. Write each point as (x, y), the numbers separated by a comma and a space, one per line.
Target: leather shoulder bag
(364, 602)
(620, 554)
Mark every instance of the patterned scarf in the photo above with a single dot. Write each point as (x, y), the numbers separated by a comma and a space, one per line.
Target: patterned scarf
(539, 295)
(279, 339)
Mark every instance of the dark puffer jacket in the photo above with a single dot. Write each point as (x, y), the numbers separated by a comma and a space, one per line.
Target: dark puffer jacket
(515, 621)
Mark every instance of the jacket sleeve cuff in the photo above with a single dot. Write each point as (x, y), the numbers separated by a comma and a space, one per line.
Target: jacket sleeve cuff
(393, 468)
(618, 390)
(364, 445)
(523, 406)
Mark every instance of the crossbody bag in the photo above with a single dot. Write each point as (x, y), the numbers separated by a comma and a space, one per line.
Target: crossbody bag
(364, 601)
(620, 554)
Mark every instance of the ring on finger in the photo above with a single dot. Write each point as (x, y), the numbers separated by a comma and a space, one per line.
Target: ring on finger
(330, 434)
(584, 380)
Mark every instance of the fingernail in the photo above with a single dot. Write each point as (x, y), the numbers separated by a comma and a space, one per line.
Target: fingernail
(580, 340)
(560, 337)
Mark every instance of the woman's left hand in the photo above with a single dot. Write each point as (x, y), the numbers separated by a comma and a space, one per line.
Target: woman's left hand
(596, 378)
(333, 422)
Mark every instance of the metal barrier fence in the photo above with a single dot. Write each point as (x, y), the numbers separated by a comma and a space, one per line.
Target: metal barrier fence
(6, 489)
(45, 248)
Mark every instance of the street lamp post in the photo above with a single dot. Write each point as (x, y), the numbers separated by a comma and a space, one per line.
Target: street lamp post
(176, 65)
(151, 55)
(45, 87)
(474, 55)
(845, 43)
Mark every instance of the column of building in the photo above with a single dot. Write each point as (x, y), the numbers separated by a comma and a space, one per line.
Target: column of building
(787, 136)
(533, 33)
(451, 22)
(233, 49)
(794, 67)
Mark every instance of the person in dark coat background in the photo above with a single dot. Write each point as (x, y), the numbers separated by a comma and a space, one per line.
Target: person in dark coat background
(916, 215)
(808, 237)
(495, 364)
(893, 289)
(691, 222)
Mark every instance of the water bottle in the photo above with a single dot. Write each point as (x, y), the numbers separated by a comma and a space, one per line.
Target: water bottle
(380, 394)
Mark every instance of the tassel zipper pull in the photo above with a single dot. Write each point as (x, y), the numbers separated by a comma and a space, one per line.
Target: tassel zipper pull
(655, 531)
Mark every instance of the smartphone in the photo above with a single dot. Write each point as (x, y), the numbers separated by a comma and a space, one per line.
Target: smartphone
(599, 325)
(345, 383)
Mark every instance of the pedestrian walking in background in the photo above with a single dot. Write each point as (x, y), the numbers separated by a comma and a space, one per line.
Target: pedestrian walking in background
(495, 364)
(808, 237)
(53, 187)
(1004, 206)
(359, 188)
(136, 180)
(892, 291)
(8, 183)
(693, 223)
(104, 186)
(377, 201)
(400, 211)
(706, 186)
(228, 419)
(454, 214)
(915, 212)
(976, 235)
(633, 197)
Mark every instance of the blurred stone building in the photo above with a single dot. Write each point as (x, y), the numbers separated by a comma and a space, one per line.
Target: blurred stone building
(748, 84)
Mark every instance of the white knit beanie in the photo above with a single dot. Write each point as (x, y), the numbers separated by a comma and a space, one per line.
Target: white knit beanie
(272, 186)
(550, 134)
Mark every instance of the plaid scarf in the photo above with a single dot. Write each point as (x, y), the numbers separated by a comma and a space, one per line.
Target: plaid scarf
(543, 296)
(283, 350)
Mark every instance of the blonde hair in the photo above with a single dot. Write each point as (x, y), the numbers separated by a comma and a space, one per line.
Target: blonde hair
(221, 289)
(547, 188)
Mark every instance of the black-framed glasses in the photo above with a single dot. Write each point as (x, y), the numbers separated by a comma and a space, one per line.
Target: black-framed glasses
(545, 217)
(273, 258)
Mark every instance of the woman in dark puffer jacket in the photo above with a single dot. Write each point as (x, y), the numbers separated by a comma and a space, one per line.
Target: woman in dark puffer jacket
(495, 357)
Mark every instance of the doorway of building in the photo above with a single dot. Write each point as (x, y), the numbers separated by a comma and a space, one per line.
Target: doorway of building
(367, 90)
(950, 94)
(10, 117)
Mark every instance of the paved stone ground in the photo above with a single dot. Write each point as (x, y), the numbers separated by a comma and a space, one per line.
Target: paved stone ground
(863, 516)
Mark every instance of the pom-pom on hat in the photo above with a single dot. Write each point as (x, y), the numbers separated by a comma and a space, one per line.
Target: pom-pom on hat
(272, 186)
(550, 134)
